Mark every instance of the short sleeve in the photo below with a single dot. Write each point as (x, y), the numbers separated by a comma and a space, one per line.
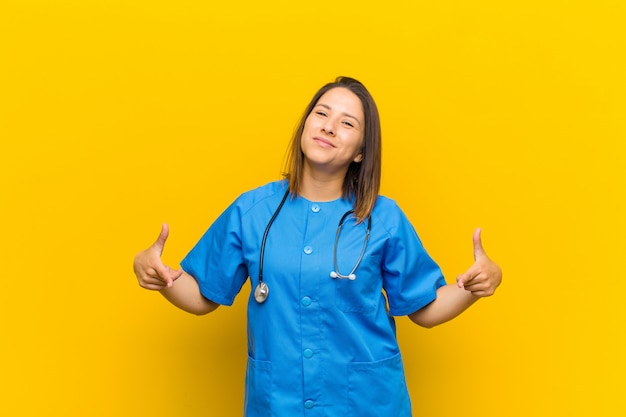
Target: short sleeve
(410, 276)
(217, 261)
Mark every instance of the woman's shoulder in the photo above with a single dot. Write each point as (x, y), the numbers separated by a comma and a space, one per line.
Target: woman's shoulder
(266, 192)
(385, 204)
(388, 212)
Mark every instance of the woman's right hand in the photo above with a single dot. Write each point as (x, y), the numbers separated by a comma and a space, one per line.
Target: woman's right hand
(151, 273)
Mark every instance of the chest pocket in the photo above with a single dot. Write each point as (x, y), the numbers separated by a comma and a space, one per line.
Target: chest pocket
(362, 294)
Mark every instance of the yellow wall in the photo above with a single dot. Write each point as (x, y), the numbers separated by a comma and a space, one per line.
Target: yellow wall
(116, 116)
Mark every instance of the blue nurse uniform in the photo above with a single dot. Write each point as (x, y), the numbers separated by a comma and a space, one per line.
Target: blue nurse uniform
(318, 346)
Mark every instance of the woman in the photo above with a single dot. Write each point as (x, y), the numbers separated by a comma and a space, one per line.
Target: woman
(330, 262)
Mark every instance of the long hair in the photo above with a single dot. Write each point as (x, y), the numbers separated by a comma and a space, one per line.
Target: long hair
(362, 180)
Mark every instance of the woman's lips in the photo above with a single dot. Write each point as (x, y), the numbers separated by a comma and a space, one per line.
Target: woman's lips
(323, 142)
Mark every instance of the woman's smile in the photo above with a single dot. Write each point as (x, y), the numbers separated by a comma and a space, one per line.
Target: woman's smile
(323, 142)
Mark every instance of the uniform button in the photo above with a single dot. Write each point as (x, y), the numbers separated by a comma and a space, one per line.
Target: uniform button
(309, 404)
(315, 208)
(308, 353)
(308, 250)
(306, 301)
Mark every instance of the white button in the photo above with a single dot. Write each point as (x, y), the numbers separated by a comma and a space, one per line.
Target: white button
(315, 208)
(308, 250)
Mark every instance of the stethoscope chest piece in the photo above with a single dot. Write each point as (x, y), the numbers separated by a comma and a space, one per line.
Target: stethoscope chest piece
(261, 292)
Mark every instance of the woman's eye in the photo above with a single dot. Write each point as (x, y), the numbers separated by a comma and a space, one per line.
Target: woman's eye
(348, 124)
(320, 113)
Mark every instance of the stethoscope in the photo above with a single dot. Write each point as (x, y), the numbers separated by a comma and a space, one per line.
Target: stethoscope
(262, 291)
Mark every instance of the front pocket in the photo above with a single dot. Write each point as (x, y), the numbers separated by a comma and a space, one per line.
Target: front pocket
(257, 402)
(378, 389)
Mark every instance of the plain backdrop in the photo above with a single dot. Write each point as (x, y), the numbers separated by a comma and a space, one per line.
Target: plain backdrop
(116, 116)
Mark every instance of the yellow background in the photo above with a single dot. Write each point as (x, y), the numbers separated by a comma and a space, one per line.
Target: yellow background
(116, 116)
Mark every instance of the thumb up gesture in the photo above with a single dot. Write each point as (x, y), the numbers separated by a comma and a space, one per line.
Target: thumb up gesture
(484, 276)
(151, 273)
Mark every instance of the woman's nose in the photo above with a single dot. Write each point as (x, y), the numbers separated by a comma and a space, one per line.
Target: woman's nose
(328, 128)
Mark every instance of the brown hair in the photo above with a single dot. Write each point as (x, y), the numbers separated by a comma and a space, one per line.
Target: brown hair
(362, 180)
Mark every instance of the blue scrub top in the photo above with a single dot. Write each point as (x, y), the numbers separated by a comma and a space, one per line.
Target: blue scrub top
(318, 346)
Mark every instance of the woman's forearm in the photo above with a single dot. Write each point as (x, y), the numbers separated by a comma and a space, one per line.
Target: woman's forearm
(450, 302)
(480, 280)
(185, 294)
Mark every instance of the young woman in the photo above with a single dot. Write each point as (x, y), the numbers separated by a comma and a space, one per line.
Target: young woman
(330, 264)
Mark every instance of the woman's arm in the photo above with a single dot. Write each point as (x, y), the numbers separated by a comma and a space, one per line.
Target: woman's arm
(480, 280)
(185, 294)
(178, 287)
(450, 302)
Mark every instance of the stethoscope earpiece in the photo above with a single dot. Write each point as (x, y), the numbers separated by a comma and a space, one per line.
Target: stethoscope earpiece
(334, 274)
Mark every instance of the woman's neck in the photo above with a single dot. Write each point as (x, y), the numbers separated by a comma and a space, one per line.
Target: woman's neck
(321, 187)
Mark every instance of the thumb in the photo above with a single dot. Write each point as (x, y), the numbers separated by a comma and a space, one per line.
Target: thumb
(159, 244)
(478, 245)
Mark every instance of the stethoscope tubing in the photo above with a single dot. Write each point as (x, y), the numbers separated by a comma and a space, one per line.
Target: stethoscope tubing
(267, 230)
(351, 276)
(261, 291)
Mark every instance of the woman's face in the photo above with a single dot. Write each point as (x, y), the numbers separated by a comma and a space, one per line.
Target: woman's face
(333, 132)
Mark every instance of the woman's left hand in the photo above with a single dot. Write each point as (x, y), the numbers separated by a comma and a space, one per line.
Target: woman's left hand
(484, 276)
